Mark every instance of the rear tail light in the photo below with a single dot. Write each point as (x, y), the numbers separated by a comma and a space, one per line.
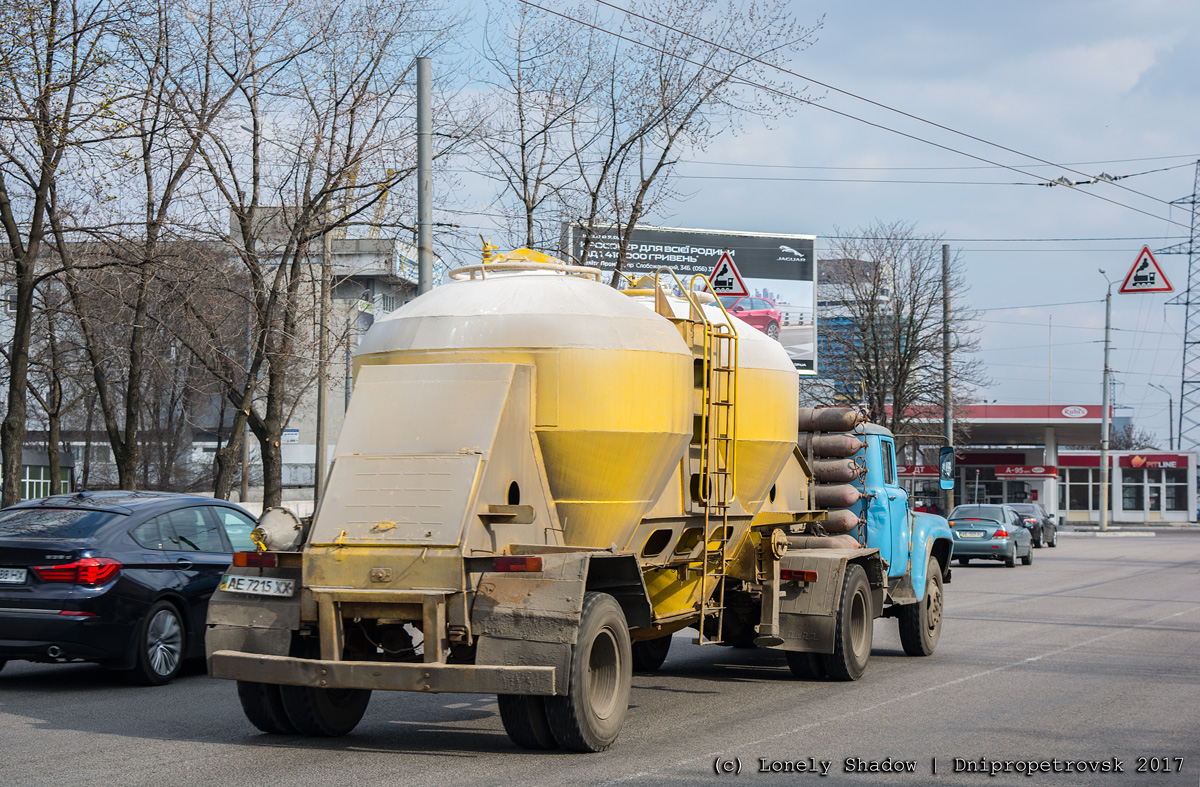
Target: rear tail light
(255, 559)
(1000, 534)
(85, 571)
(792, 575)
(1031, 521)
(518, 563)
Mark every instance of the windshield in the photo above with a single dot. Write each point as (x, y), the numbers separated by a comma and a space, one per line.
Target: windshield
(978, 512)
(64, 523)
(728, 300)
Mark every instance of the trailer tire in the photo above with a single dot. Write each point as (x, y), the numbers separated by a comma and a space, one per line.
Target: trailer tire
(649, 654)
(589, 717)
(324, 713)
(263, 705)
(805, 665)
(854, 629)
(525, 721)
(921, 623)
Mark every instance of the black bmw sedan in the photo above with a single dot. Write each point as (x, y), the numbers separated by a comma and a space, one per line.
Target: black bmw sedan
(119, 578)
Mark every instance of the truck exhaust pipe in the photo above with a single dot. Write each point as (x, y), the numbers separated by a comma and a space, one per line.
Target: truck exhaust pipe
(54, 651)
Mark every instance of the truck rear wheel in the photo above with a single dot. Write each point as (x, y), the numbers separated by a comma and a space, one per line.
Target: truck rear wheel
(589, 717)
(324, 713)
(263, 706)
(921, 623)
(805, 665)
(855, 627)
(649, 654)
(525, 721)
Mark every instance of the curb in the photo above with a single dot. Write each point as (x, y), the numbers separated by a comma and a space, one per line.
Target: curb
(1109, 534)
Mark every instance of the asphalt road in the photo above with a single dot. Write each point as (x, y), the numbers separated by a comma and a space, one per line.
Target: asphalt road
(1091, 654)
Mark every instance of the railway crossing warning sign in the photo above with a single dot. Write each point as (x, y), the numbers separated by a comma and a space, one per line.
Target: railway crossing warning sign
(725, 279)
(1145, 275)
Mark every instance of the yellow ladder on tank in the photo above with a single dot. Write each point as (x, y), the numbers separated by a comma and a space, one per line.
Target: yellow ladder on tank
(715, 348)
(717, 464)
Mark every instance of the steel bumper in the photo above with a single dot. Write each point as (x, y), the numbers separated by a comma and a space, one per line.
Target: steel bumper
(431, 678)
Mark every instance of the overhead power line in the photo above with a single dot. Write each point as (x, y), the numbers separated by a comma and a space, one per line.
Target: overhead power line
(882, 127)
(1191, 158)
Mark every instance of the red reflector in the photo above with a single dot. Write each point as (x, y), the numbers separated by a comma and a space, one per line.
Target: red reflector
(792, 575)
(74, 613)
(85, 571)
(520, 563)
(255, 559)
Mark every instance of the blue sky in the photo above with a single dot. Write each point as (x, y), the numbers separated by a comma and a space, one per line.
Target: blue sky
(1067, 82)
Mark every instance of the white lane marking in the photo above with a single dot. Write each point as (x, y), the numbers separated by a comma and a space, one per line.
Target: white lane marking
(885, 703)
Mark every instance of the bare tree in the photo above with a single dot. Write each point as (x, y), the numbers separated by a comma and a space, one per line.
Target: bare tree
(881, 334)
(1133, 438)
(55, 105)
(326, 107)
(698, 69)
(546, 73)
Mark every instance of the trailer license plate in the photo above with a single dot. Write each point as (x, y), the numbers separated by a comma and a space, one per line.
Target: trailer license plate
(12, 576)
(970, 533)
(258, 586)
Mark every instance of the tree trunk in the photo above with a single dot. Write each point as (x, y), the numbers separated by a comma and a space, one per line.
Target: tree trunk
(12, 430)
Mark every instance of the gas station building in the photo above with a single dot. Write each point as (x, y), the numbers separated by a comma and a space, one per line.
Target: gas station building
(1049, 454)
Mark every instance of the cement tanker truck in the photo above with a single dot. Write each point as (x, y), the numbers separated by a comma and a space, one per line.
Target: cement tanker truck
(539, 480)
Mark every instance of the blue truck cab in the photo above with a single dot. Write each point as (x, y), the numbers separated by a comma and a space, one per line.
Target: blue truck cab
(906, 539)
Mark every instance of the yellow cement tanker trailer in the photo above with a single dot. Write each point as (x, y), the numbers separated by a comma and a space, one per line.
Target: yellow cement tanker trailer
(538, 481)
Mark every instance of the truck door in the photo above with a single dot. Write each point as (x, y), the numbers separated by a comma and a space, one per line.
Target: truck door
(896, 500)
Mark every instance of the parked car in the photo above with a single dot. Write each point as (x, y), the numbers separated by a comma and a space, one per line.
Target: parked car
(118, 578)
(759, 312)
(990, 532)
(1041, 525)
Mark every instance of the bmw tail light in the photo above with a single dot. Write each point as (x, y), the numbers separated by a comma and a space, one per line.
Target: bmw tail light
(85, 571)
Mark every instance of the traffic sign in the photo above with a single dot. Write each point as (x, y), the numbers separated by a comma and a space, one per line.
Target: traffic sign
(725, 279)
(1145, 275)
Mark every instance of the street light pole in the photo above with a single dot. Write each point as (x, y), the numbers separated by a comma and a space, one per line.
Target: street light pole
(1170, 416)
(1104, 417)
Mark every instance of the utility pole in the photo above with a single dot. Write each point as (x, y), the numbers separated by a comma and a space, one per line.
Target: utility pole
(947, 409)
(424, 179)
(1104, 417)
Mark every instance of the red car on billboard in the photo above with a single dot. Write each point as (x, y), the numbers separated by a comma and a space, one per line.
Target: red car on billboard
(759, 312)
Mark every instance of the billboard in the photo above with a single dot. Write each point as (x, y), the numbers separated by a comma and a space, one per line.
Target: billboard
(779, 272)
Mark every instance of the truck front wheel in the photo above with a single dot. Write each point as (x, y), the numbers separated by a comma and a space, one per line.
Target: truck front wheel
(855, 626)
(589, 717)
(263, 706)
(324, 713)
(921, 623)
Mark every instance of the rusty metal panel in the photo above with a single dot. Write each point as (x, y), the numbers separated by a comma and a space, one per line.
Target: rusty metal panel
(274, 642)
(493, 651)
(411, 500)
(543, 607)
(432, 678)
(812, 633)
(238, 609)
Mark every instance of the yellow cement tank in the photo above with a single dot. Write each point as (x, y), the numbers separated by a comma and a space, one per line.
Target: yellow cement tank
(615, 387)
(613, 410)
